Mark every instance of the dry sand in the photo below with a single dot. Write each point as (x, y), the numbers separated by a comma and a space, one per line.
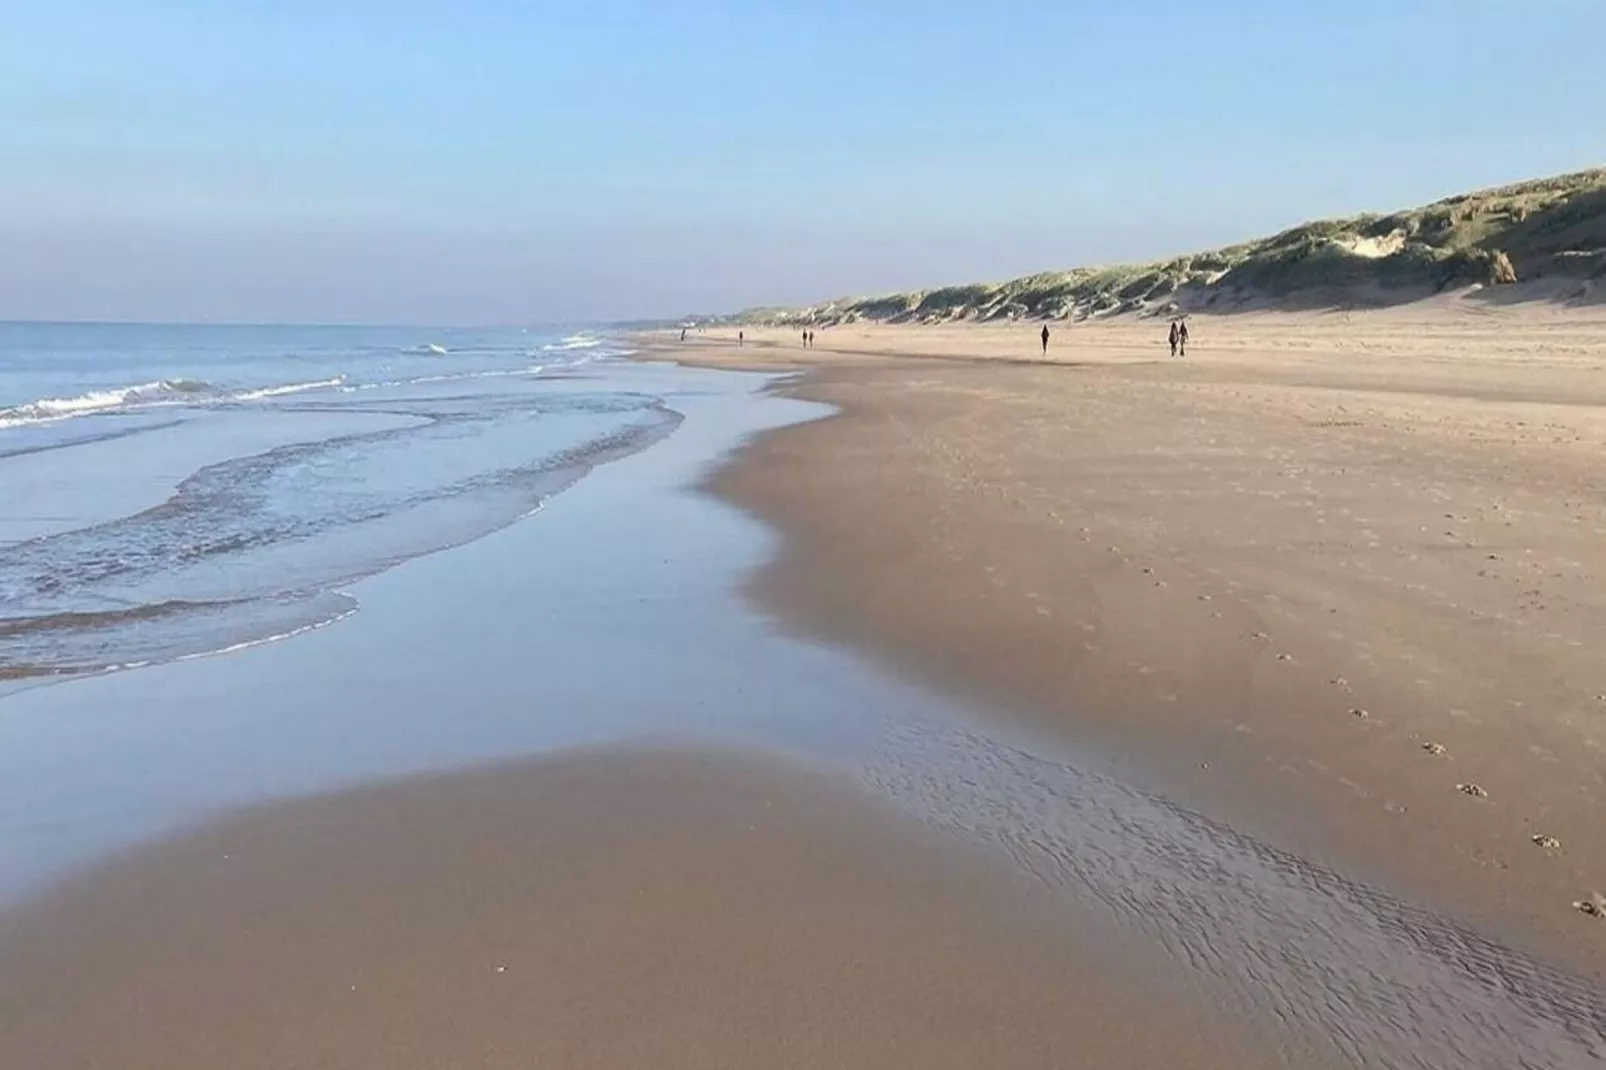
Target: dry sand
(610, 909)
(1339, 578)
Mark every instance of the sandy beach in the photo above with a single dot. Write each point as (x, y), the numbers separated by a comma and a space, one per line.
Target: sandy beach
(608, 909)
(1338, 578)
(1020, 732)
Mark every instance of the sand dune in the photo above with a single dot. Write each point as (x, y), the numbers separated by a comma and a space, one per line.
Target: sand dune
(1539, 240)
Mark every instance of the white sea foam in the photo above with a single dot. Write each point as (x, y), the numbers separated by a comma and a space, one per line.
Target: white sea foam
(139, 395)
(574, 341)
(419, 380)
(145, 396)
(277, 637)
(288, 388)
(244, 644)
(575, 350)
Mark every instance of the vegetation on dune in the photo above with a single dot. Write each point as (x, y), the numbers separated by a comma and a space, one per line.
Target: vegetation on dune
(1552, 228)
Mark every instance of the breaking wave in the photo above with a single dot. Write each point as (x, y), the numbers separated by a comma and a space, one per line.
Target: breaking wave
(145, 396)
(574, 341)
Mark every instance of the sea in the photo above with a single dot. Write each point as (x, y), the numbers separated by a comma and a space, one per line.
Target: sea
(174, 491)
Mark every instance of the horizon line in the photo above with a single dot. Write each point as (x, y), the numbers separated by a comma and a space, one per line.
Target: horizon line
(335, 325)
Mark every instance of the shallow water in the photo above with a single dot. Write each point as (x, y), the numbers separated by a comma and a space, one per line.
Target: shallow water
(225, 502)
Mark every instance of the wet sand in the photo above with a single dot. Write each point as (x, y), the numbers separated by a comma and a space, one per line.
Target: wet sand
(1337, 579)
(607, 909)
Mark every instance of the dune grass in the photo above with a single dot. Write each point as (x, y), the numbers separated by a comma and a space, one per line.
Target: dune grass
(1547, 228)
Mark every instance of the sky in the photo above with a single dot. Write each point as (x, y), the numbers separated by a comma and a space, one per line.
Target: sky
(505, 162)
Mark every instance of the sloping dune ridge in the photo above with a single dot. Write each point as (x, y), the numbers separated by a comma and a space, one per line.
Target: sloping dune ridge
(1539, 240)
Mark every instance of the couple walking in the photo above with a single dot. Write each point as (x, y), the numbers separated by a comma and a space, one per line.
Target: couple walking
(1179, 338)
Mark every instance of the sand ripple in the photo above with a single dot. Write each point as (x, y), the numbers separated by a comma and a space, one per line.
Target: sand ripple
(1341, 965)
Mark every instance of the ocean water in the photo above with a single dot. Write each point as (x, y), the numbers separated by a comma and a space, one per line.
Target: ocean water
(175, 491)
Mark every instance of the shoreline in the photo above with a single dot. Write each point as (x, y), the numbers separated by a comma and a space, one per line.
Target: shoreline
(681, 818)
(94, 763)
(932, 524)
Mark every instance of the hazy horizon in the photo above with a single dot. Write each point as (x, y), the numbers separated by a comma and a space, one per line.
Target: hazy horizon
(366, 163)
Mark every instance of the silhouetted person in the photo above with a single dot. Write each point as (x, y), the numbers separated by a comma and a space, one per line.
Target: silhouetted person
(1182, 338)
(1045, 338)
(1175, 335)
(683, 334)
(741, 339)
(811, 338)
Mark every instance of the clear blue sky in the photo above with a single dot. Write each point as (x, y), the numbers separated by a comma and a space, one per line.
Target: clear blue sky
(502, 161)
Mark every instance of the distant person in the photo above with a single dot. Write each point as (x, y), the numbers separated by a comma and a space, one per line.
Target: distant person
(1176, 335)
(805, 339)
(741, 339)
(683, 334)
(1045, 338)
(811, 338)
(1182, 338)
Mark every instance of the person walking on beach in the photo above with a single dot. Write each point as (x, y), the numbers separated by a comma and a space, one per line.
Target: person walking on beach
(1175, 334)
(811, 338)
(683, 334)
(1045, 338)
(1182, 338)
(741, 339)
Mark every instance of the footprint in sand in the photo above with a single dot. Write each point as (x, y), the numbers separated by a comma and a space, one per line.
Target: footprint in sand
(1434, 749)
(1473, 790)
(1547, 843)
